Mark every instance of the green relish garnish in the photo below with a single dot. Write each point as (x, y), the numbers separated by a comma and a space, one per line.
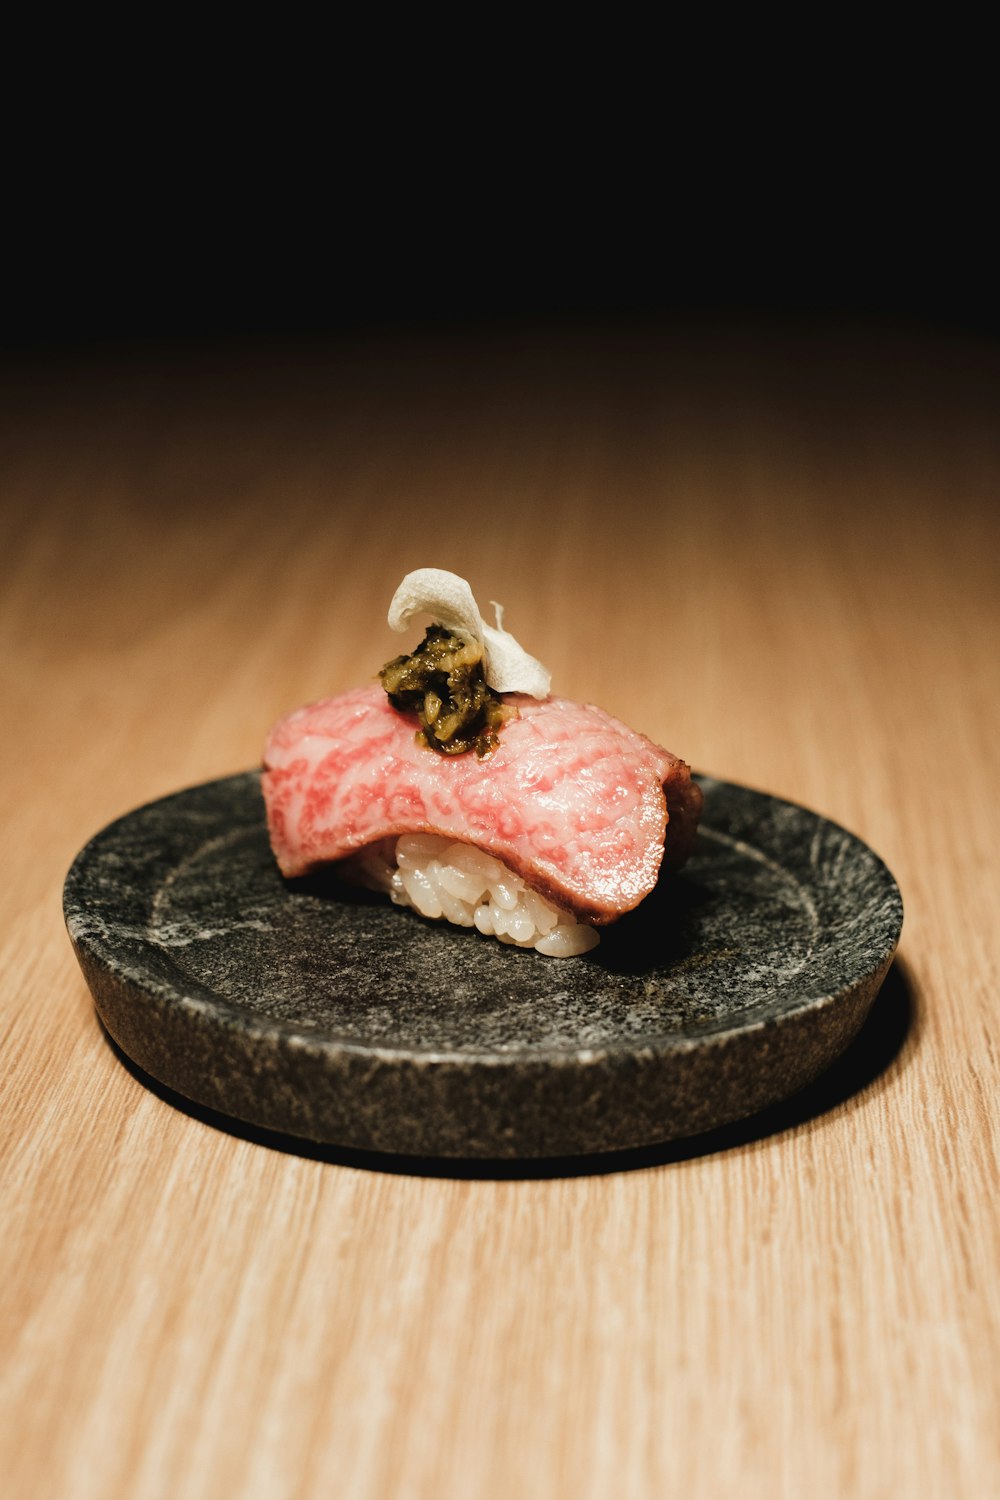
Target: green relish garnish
(442, 682)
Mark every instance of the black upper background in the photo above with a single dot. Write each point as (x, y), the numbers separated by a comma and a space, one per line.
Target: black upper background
(133, 217)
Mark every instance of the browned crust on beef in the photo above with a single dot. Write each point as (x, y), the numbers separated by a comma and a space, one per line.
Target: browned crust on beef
(684, 802)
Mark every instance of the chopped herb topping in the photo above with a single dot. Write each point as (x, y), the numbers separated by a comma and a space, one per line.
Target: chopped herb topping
(442, 682)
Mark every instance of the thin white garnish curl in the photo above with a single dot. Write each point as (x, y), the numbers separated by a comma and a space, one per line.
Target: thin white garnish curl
(449, 601)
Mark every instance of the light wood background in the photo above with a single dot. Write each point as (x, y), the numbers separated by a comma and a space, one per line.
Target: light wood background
(774, 551)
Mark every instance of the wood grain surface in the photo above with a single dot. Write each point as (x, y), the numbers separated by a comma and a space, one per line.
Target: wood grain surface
(774, 551)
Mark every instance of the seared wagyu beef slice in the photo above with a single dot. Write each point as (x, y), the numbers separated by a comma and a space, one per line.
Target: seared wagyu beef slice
(573, 801)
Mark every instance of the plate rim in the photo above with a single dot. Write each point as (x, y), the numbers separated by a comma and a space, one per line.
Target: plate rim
(211, 1008)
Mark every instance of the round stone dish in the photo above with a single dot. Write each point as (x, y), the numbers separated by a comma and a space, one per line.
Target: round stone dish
(316, 1010)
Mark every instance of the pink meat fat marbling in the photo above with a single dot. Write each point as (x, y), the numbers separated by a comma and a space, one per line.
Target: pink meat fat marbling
(572, 800)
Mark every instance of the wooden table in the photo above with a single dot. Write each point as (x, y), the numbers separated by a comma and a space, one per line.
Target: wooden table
(793, 536)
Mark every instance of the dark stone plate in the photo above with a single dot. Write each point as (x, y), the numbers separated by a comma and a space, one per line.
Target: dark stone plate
(323, 1013)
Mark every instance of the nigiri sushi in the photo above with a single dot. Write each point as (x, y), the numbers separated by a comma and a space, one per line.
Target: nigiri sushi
(529, 817)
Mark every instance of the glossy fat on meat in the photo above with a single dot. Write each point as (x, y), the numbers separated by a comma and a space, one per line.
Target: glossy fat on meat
(572, 800)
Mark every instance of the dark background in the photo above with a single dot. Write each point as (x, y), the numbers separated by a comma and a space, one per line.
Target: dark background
(143, 221)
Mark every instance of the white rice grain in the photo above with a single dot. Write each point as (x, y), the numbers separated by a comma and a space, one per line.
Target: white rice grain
(464, 885)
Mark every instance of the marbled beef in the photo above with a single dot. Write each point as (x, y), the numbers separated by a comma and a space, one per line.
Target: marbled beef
(573, 801)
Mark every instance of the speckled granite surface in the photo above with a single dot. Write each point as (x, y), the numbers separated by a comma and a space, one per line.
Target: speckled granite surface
(324, 1013)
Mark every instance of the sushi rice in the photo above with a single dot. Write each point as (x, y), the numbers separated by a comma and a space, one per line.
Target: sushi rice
(459, 883)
